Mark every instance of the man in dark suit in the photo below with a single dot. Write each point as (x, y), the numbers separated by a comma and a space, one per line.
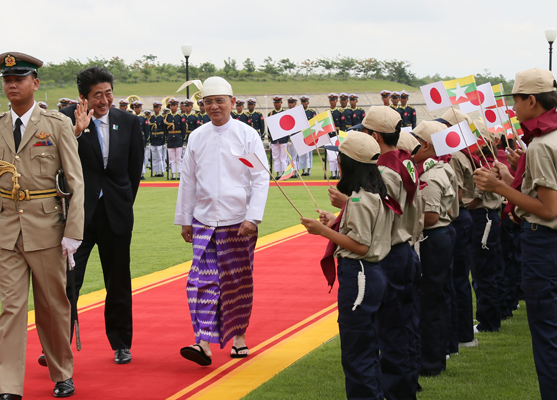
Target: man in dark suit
(111, 152)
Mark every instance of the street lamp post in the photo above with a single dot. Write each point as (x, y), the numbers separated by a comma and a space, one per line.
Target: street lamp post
(550, 35)
(186, 51)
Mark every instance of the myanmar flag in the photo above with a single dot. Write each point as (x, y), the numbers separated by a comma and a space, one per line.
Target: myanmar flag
(319, 125)
(289, 170)
(516, 125)
(461, 90)
(498, 91)
(340, 138)
(479, 139)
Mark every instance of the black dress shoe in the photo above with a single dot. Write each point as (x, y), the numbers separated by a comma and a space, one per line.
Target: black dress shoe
(7, 396)
(122, 356)
(42, 360)
(64, 389)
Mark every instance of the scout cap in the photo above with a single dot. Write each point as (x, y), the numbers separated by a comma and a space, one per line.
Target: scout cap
(215, 86)
(360, 147)
(453, 117)
(533, 81)
(381, 119)
(18, 64)
(425, 129)
(406, 141)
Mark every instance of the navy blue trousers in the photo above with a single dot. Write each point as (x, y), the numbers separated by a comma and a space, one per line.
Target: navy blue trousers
(396, 340)
(539, 283)
(486, 264)
(463, 326)
(358, 328)
(510, 245)
(436, 253)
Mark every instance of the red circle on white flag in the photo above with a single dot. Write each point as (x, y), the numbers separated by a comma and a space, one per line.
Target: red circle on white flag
(246, 162)
(287, 122)
(479, 100)
(452, 139)
(435, 96)
(511, 113)
(490, 116)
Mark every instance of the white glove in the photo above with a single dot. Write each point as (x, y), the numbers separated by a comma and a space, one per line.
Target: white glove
(69, 247)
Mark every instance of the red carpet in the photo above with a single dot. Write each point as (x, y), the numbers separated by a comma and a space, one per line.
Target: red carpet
(289, 288)
(272, 183)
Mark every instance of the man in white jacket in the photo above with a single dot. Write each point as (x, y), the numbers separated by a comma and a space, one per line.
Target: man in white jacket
(220, 203)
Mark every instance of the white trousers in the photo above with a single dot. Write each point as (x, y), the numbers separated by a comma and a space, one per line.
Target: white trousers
(333, 162)
(305, 161)
(294, 154)
(146, 158)
(158, 159)
(175, 159)
(280, 159)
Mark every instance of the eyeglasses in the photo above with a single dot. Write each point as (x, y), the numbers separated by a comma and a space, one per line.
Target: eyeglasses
(219, 101)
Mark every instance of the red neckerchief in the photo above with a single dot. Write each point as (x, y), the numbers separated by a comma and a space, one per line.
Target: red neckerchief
(395, 161)
(328, 265)
(420, 166)
(472, 157)
(490, 160)
(502, 158)
(536, 127)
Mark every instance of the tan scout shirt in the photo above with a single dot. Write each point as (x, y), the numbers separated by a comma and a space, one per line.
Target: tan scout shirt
(439, 194)
(403, 225)
(454, 210)
(367, 221)
(541, 170)
(464, 172)
(489, 201)
(38, 220)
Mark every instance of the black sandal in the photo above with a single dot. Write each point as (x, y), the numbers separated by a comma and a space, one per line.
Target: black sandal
(237, 350)
(197, 356)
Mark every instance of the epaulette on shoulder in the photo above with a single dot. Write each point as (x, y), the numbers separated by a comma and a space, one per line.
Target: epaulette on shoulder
(54, 114)
(312, 109)
(360, 109)
(408, 105)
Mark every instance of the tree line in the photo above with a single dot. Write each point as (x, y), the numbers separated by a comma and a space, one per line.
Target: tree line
(148, 69)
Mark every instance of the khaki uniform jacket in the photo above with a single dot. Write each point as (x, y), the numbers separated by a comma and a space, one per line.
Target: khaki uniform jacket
(39, 220)
(440, 194)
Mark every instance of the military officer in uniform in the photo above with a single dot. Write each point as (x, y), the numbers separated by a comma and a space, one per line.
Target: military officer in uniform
(345, 112)
(43, 105)
(123, 104)
(202, 117)
(183, 107)
(278, 147)
(409, 114)
(305, 162)
(385, 97)
(191, 119)
(35, 240)
(255, 118)
(175, 129)
(157, 140)
(239, 113)
(335, 112)
(358, 113)
(145, 130)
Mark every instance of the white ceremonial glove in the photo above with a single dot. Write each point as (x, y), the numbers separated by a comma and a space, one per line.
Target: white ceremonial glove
(69, 247)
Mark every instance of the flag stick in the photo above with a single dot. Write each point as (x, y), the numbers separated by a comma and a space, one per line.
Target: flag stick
(287, 198)
(302, 179)
(515, 134)
(462, 133)
(319, 154)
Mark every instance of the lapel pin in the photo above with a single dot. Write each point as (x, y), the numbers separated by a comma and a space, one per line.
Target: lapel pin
(115, 127)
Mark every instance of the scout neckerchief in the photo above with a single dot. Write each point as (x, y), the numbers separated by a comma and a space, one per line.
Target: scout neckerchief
(471, 156)
(428, 163)
(536, 127)
(401, 162)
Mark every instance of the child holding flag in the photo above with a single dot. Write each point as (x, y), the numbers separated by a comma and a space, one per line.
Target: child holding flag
(535, 97)
(436, 250)
(357, 239)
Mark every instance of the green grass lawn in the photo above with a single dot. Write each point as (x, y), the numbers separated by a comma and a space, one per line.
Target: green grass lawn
(163, 89)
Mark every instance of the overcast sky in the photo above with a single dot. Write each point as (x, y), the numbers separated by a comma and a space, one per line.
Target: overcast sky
(435, 36)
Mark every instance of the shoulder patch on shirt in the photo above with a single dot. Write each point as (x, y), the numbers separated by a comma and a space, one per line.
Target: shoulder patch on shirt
(355, 199)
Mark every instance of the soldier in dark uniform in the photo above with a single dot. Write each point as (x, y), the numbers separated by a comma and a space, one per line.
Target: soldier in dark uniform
(305, 162)
(239, 112)
(191, 119)
(335, 113)
(395, 98)
(345, 113)
(385, 97)
(183, 107)
(255, 118)
(358, 113)
(123, 104)
(63, 103)
(146, 140)
(278, 147)
(202, 117)
(157, 140)
(175, 130)
(409, 114)
(292, 102)
(145, 130)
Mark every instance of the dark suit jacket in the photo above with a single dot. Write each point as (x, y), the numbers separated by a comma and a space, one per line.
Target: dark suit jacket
(120, 180)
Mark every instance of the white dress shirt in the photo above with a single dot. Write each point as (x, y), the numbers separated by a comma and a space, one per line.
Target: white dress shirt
(24, 118)
(215, 187)
(105, 133)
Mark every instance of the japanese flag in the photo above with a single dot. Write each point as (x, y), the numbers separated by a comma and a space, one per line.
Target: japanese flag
(251, 161)
(453, 139)
(435, 96)
(301, 146)
(486, 99)
(494, 117)
(287, 122)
